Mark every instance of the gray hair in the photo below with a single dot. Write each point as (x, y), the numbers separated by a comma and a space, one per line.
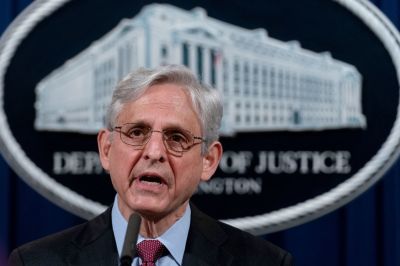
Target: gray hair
(206, 100)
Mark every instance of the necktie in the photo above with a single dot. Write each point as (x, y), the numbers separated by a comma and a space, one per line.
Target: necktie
(150, 251)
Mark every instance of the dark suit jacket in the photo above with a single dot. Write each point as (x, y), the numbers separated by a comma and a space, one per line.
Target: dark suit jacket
(209, 243)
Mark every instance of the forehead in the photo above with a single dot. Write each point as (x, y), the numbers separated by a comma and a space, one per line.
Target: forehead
(165, 104)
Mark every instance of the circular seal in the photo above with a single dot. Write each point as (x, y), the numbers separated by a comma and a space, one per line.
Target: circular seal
(310, 105)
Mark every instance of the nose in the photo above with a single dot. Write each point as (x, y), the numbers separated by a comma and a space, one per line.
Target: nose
(155, 149)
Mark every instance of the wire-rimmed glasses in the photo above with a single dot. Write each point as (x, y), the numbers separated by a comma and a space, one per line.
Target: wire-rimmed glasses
(176, 140)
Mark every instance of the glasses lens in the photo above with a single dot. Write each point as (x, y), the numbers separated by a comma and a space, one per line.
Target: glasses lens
(135, 135)
(178, 140)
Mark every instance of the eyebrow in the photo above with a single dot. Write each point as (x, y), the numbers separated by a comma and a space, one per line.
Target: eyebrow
(172, 126)
(138, 123)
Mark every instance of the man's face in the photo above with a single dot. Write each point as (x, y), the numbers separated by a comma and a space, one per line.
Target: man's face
(150, 180)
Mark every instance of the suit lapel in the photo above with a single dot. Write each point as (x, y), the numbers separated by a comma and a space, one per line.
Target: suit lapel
(95, 243)
(204, 242)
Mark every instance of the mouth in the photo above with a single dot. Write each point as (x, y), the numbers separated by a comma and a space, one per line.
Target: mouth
(151, 179)
(148, 179)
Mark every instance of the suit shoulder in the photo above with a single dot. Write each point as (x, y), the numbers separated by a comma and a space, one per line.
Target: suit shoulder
(254, 248)
(242, 247)
(56, 247)
(50, 247)
(59, 238)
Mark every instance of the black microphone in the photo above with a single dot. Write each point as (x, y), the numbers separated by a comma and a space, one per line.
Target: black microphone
(131, 236)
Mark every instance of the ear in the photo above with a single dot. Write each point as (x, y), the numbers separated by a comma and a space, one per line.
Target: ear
(104, 145)
(211, 160)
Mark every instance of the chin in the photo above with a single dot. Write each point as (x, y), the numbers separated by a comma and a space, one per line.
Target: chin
(149, 209)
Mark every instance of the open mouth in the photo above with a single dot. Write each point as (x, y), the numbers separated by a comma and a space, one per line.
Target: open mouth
(151, 179)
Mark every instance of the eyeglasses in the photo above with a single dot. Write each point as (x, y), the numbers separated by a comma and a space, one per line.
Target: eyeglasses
(177, 141)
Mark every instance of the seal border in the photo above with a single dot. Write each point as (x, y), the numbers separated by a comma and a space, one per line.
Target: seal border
(269, 222)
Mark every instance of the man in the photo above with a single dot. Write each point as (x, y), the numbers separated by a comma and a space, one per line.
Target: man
(161, 141)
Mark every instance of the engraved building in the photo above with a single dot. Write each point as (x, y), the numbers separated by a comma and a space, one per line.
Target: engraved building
(266, 84)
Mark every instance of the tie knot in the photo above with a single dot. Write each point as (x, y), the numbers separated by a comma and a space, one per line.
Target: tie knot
(150, 251)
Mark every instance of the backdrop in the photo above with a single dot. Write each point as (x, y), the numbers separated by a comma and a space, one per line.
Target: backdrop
(364, 232)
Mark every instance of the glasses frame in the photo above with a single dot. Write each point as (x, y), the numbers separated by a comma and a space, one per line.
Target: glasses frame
(172, 151)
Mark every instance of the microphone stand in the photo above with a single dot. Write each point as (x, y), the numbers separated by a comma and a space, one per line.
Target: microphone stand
(131, 236)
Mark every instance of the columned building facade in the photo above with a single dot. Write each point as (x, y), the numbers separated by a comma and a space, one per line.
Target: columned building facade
(266, 84)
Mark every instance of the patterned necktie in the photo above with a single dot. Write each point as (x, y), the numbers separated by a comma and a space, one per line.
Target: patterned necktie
(150, 251)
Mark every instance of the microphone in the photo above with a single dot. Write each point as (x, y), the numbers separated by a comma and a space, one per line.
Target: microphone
(131, 236)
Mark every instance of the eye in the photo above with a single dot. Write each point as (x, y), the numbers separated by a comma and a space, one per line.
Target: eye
(176, 136)
(136, 132)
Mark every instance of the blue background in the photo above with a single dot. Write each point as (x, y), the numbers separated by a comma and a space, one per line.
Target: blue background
(364, 232)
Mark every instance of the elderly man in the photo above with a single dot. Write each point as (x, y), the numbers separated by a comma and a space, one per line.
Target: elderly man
(161, 141)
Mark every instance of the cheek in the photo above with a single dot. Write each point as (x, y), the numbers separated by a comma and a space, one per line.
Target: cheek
(188, 174)
(121, 165)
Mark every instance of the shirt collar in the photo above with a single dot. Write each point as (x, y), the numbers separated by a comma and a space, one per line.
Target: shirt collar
(174, 239)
